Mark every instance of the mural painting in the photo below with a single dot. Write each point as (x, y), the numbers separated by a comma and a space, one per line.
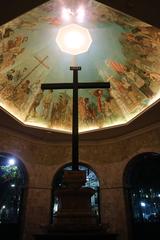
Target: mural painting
(125, 52)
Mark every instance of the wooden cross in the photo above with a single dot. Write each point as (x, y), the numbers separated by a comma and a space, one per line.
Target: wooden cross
(75, 86)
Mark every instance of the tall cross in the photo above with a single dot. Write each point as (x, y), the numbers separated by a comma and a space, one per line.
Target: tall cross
(75, 86)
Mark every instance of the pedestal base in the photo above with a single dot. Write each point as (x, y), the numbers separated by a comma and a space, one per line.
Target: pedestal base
(74, 219)
(76, 236)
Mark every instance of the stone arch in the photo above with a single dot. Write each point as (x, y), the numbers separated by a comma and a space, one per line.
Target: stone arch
(95, 201)
(142, 194)
(13, 181)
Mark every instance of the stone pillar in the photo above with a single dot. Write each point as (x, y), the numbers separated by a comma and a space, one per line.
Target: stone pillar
(113, 211)
(37, 212)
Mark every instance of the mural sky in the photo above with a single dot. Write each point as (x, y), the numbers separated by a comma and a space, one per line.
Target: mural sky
(124, 51)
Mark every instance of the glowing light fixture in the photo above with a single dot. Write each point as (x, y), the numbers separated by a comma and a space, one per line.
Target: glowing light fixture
(143, 204)
(74, 39)
(11, 161)
(13, 185)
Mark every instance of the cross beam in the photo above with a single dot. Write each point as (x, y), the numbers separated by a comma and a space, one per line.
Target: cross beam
(70, 85)
(75, 86)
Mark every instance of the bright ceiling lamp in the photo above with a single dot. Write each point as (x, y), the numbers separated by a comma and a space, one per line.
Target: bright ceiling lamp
(80, 14)
(70, 15)
(74, 39)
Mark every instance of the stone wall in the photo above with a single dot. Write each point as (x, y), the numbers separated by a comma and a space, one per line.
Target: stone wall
(108, 158)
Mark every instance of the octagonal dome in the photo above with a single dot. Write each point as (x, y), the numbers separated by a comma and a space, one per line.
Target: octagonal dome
(73, 39)
(124, 51)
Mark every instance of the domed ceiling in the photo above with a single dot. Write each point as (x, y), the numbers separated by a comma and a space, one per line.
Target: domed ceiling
(124, 51)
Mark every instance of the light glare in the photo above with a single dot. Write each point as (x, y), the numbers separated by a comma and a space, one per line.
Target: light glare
(66, 14)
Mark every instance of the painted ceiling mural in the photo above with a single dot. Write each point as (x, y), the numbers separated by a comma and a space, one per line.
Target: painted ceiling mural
(124, 51)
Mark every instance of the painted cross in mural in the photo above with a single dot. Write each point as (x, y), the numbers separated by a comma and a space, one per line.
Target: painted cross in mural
(75, 86)
(41, 62)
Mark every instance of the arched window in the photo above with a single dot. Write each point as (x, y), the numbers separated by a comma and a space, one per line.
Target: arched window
(142, 181)
(12, 182)
(91, 181)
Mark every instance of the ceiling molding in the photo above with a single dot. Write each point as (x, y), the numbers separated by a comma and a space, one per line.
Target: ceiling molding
(148, 118)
